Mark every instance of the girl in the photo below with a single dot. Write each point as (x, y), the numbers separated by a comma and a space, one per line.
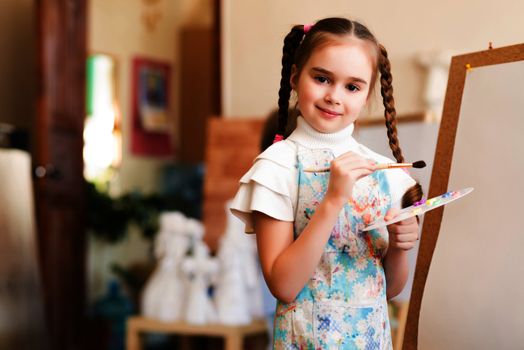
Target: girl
(332, 280)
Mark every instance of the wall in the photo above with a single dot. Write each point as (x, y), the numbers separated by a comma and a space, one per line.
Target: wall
(253, 33)
(116, 28)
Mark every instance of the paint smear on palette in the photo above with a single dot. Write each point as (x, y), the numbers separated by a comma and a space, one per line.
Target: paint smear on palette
(421, 207)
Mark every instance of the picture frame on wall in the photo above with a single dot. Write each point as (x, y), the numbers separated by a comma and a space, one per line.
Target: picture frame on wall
(152, 120)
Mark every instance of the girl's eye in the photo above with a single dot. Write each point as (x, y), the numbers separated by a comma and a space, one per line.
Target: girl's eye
(352, 88)
(322, 79)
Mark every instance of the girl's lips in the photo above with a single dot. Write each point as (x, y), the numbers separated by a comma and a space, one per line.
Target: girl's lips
(328, 113)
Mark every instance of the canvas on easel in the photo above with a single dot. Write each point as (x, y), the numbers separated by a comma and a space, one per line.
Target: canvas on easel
(470, 298)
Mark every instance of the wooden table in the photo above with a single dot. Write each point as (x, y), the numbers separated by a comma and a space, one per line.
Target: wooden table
(233, 335)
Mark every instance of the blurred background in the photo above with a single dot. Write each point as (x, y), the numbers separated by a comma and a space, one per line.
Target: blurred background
(114, 112)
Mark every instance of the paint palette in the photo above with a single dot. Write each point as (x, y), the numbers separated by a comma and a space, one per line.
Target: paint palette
(421, 207)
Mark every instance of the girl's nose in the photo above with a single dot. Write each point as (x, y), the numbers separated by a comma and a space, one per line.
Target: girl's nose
(332, 96)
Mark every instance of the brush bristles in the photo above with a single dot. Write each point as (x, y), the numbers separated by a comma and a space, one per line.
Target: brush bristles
(419, 164)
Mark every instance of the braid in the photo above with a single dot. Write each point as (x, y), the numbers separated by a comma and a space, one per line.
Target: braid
(390, 113)
(291, 43)
(414, 193)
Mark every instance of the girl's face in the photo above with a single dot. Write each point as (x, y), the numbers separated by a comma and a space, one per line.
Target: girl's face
(333, 85)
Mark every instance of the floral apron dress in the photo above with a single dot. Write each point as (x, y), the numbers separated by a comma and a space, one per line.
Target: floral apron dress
(343, 306)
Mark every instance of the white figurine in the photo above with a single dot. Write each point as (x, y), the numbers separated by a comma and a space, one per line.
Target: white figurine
(165, 291)
(437, 64)
(238, 296)
(194, 229)
(200, 270)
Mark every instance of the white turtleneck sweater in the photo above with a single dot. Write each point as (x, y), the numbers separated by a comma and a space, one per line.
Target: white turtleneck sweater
(271, 185)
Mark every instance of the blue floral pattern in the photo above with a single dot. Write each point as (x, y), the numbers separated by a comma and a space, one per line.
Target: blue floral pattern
(343, 305)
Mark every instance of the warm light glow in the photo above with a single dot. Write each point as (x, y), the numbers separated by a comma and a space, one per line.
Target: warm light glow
(102, 137)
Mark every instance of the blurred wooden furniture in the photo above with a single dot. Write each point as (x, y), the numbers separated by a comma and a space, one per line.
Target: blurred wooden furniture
(199, 89)
(233, 335)
(231, 147)
(398, 311)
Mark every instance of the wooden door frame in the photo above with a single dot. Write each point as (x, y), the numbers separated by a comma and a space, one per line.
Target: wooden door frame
(59, 196)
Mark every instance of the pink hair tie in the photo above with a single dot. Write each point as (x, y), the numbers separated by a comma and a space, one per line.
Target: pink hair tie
(307, 28)
(278, 138)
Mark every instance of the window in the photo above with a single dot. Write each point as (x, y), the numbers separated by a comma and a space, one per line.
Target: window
(102, 134)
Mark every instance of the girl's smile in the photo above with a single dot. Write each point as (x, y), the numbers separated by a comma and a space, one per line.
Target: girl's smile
(327, 113)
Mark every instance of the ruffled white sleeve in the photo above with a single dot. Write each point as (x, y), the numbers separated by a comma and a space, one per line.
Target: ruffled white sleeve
(268, 187)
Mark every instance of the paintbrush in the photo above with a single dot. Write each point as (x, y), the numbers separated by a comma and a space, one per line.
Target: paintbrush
(419, 164)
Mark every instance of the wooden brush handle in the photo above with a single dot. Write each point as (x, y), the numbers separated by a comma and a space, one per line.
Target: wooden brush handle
(394, 165)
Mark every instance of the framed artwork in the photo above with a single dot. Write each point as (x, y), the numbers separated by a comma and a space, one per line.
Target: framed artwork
(151, 121)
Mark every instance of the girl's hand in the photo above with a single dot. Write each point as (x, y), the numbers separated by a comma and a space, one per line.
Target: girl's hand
(346, 170)
(403, 234)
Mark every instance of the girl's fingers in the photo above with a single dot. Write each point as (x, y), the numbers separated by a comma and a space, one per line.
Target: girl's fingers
(404, 233)
(361, 173)
(354, 160)
(348, 154)
(403, 226)
(404, 246)
(391, 214)
(406, 238)
(402, 229)
(352, 155)
(353, 169)
(350, 165)
(409, 221)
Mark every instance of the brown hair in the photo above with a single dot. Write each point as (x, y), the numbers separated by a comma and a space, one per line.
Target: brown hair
(271, 127)
(298, 47)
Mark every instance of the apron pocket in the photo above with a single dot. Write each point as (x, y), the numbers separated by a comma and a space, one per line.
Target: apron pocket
(283, 328)
(293, 327)
(339, 325)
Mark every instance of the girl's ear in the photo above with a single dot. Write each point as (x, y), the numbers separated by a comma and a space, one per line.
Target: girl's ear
(292, 78)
